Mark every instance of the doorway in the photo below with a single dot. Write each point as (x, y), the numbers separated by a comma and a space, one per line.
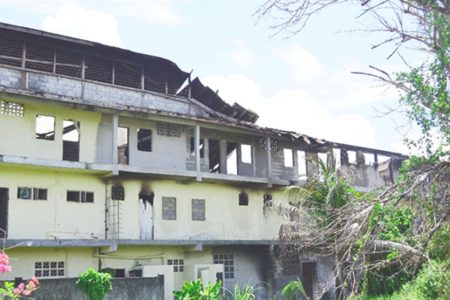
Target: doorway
(4, 198)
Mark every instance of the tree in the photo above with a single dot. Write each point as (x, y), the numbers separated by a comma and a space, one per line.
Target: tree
(381, 240)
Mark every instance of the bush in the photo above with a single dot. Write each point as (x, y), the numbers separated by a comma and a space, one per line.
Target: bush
(94, 284)
(195, 290)
(433, 281)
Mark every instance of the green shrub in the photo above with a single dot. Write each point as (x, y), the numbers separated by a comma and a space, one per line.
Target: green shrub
(94, 284)
(248, 293)
(294, 290)
(195, 290)
(433, 281)
(439, 247)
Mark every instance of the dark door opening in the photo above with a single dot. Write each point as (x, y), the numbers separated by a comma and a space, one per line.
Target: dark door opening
(308, 275)
(71, 140)
(4, 198)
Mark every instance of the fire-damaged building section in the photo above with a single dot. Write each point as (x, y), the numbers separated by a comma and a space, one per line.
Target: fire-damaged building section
(51, 53)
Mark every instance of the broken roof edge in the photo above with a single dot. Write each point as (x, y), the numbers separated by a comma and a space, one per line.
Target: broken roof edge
(238, 110)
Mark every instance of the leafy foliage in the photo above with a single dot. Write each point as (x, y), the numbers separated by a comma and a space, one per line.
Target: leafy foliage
(294, 290)
(94, 284)
(247, 293)
(433, 282)
(195, 290)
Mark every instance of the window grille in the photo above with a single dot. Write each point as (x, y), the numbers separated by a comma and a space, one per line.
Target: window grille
(11, 109)
(178, 264)
(49, 269)
(227, 260)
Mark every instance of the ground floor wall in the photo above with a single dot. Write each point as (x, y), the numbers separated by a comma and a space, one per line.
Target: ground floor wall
(234, 265)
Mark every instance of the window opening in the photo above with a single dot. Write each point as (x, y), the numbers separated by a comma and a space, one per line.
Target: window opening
(243, 199)
(11, 51)
(27, 193)
(198, 210)
(169, 208)
(122, 145)
(351, 157)
(144, 140)
(49, 269)
(178, 264)
(227, 260)
(201, 147)
(246, 153)
(98, 69)
(117, 192)
(288, 158)
(232, 158)
(302, 173)
(80, 196)
(71, 140)
(214, 156)
(45, 127)
(4, 203)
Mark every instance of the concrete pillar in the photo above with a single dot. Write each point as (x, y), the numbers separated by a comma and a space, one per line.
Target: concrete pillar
(197, 152)
(269, 162)
(115, 126)
(223, 157)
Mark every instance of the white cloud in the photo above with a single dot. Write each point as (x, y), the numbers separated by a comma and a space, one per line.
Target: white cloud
(152, 11)
(295, 109)
(307, 68)
(73, 20)
(243, 55)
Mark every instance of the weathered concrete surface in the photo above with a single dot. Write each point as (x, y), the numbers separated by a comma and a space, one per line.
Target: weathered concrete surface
(123, 289)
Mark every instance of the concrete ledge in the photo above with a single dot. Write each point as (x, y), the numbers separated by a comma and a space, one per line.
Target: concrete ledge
(22, 160)
(67, 243)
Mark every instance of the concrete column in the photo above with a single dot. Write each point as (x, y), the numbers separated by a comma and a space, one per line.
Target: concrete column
(197, 152)
(295, 163)
(115, 125)
(269, 162)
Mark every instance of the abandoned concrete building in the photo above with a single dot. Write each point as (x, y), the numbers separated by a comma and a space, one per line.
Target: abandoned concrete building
(119, 160)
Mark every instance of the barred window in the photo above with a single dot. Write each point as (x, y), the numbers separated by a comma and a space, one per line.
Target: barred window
(117, 192)
(166, 129)
(178, 264)
(227, 260)
(49, 269)
(169, 208)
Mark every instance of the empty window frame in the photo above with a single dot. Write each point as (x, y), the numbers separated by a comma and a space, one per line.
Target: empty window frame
(144, 140)
(246, 153)
(232, 168)
(198, 210)
(117, 192)
(214, 156)
(288, 158)
(227, 260)
(11, 109)
(169, 208)
(201, 147)
(28, 193)
(80, 196)
(45, 127)
(122, 145)
(243, 199)
(178, 264)
(302, 171)
(71, 140)
(49, 269)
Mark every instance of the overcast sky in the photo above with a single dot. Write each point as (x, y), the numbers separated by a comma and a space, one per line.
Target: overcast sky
(301, 83)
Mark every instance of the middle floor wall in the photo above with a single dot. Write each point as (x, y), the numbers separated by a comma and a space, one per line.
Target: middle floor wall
(62, 204)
